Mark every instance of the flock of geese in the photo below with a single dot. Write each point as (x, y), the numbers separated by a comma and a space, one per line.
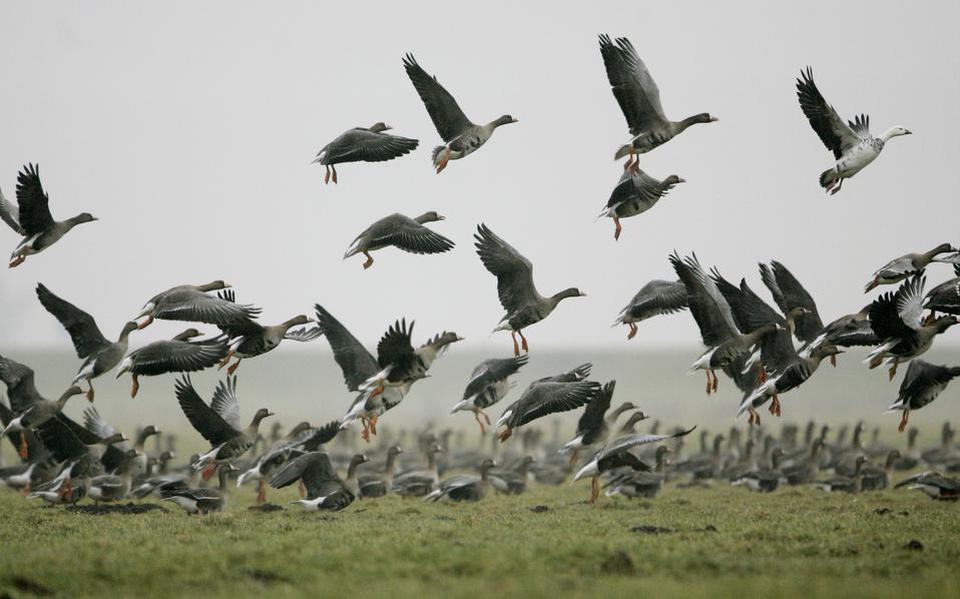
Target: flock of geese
(766, 349)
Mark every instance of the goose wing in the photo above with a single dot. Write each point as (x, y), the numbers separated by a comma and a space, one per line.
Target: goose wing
(395, 349)
(225, 402)
(514, 272)
(364, 145)
(592, 418)
(316, 471)
(666, 296)
(83, 330)
(838, 136)
(628, 442)
(633, 87)
(789, 294)
(195, 306)
(10, 214)
(410, 236)
(206, 420)
(490, 371)
(34, 212)
(161, 357)
(21, 388)
(444, 111)
(709, 308)
(354, 360)
(541, 399)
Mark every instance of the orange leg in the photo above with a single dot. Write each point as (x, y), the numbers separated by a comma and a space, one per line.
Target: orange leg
(90, 392)
(893, 369)
(373, 419)
(369, 261)
(709, 386)
(716, 381)
(225, 360)
(209, 471)
(476, 415)
(302, 489)
(574, 456)
(66, 490)
(903, 421)
(334, 169)
(18, 261)
(516, 348)
(761, 376)
(523, 342)
(326, 176)
(135, 388)
(443, 161)
(365, 434)
(633, 330)
(775, 405)
(24, 450)
(261, 492)
(594, 490)
(618, 229)
(503, 436)
(833, 361)
(377, 391)
(485, 417)
(233, 368)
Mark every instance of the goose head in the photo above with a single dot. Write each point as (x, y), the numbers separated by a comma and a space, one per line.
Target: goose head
(380, 127)
(128, 328)
(260, 415)
(214, 286)
(83, 217)
(430, 217)
(674, 180)
(504, 120)
(895, 132)
(571, 292)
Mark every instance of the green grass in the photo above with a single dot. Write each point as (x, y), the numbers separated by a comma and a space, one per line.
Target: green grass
(725, 542)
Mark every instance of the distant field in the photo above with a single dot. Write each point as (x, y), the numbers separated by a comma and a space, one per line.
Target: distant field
(720, 542)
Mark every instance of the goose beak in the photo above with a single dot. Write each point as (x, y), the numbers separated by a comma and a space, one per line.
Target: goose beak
(714, 119)
(681, 180)
(514, 120)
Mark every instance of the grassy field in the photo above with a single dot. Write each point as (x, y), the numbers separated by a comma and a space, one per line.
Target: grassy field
(692, 542)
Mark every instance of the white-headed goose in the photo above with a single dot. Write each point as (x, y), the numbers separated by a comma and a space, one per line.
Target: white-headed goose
(31, 217)
(852, 144)
(639, 99)
(363, 144)
(462, 137)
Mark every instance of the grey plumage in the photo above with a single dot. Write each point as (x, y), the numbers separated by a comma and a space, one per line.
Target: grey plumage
(363, 144)
(402, 232)
(635, 193)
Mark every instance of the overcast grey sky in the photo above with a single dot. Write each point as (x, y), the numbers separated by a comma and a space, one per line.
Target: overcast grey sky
(188, 128)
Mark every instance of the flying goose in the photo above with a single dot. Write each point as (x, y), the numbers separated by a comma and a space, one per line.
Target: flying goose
(30, 408)
(634, 483)
(788, 293)
(31, 217)
(550, 395)
(616, 454)
(595, 423)
(175, 355)
(98, 354)
(945, 297)
(302, 438)
(249, 339)
(655, 298)
(852, 144)
(362, 144)
(639, 99)
(896, 319)
(402, 232)
(921, 385)
(325, 490)
(518, 295)
(905, 267)
(489, 383)
(462, 137)
(635, 193)
(464, 487)
(193, 303)
(218, 423)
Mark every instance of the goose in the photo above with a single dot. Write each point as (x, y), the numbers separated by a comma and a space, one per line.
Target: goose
(25, 442)
(594, 424)
(635, 193)
(639, 99)
(111, 487)
(98, 354)
(30, 408)
(194, 303)
(379, 485)
(640, 484)
(805, 471)
(896, 320)
(654, 298)
(934, 484)
(789, 294)
(175, 355)
(464, 487)
(945, 297)
(550, 395)
(850, 330)
(518, 295)
(462, 137)
(325, 490)
(401, 365)
(218, 423)
(250, 339)
(616, 454)
(489, 383)
(31, 217)
(112, 456)
(762, 480)
(513, 480)
(301, 439)
(877, 479)
(921, 385)
(904, 267)
(852, 144)
(786, 370)
(402, 232)
(845, 484)
(363, 144)
(420, 481)
(203, 500)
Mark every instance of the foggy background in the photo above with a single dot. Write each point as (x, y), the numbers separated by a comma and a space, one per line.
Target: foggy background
(188, 129)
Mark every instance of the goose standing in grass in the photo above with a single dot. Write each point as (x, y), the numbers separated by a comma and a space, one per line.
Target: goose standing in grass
(325, 489)
(420, 481)
(30, 408)
(896, 318)
(852, 144)
(845, 484)
(512, 480)
(362, 144)
(639, 99)
(934, 485)
(176, 355)
(921, 385)
(655, 298)
(218, 423)
(617, 454)
(762, 480)
(518, 295)
(465, 487)
(635, 193)
(194, 303)
(31, 217)
(462, 137)
(98, 354)
(549, 395)
(402, 232)
(489, 383)
(249, 339)
(202, 500)
(904, 267)
(945, 297)
(379, 485)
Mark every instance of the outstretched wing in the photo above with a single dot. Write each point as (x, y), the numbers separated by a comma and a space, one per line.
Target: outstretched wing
(20, 384)
(34, 210)
(833, 132)
(86, 336)
(514, 272)
(633, 87)
(207, 421)
(443, 109)
(541, 399)
(354, 360)
(10, 214)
